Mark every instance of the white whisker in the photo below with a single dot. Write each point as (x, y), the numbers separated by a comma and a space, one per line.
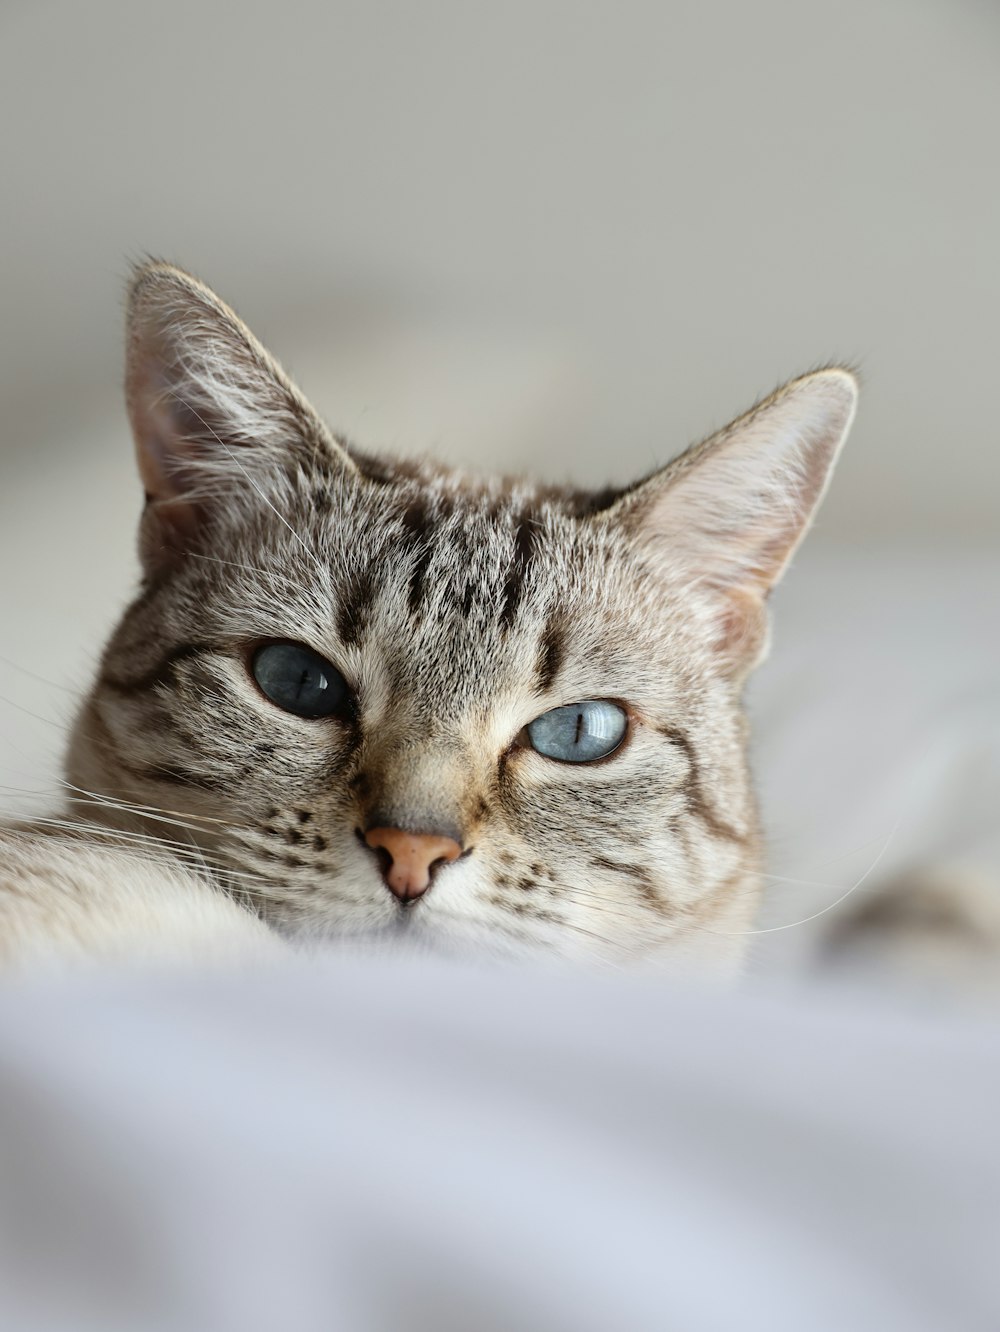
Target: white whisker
(41, 679)
(791, 925)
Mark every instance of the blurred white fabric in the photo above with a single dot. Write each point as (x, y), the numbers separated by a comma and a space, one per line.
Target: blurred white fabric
(387, 1143)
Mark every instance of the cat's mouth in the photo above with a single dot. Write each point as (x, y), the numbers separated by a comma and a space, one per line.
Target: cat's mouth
(407, 930)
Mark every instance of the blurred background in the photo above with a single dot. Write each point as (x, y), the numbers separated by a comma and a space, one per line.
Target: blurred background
(570, 237)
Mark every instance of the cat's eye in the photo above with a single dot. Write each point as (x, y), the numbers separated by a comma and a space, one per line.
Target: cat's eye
(579, 732)
(299, 680)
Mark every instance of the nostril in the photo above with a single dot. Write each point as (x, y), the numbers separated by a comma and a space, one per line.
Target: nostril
(384, 859)
(380, 852)
(409, 861)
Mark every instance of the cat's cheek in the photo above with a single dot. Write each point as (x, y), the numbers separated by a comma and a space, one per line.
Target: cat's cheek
(525, 785)
(545, 803)
(313, 743)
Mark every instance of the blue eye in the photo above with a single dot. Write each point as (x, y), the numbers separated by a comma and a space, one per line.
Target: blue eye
(299, 680)
(579, 732)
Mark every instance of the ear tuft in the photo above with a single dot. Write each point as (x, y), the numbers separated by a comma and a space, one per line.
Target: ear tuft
(729, 513)
(211, 410)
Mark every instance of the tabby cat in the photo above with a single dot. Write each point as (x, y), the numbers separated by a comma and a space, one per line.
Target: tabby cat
(361, 696)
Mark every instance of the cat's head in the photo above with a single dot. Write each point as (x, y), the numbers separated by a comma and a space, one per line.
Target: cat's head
(395, 698)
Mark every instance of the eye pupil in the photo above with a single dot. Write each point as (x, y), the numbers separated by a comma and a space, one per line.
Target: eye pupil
(299, 680)
(579, 732)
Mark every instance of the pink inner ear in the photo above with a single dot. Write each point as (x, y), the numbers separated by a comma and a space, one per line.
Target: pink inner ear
(742, 622)
(731, 511)
(159, 446)
(167, 529)
(169, 521)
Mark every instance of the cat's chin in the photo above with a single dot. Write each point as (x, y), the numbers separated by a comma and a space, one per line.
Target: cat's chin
(408, 934)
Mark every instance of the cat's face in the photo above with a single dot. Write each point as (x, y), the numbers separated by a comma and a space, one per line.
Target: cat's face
(391, 699)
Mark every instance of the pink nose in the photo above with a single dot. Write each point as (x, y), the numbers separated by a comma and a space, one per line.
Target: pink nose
(412, 857)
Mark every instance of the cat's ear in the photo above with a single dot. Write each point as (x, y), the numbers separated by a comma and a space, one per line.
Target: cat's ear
(727, 515)
(214, 417)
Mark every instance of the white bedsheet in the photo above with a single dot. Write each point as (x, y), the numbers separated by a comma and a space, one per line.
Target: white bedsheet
(407, 1144)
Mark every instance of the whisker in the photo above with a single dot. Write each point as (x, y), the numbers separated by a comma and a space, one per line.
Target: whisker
(49, 721)
(151, 811)
(158, 850)
(85, 828)
(775, 929)
(827, 860)
(41, 679)
(90, 798)
(582, 929)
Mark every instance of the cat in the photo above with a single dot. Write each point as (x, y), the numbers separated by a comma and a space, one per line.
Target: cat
(374, 698)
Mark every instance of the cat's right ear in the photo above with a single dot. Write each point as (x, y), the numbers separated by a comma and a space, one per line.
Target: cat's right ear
(726, 517)
(214, 417)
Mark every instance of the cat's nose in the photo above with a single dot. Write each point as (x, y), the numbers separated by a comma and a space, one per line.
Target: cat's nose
(409, 859)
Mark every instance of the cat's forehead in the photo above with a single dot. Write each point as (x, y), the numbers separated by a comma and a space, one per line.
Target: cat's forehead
(455, 586)
(450, 566)
(485, 542)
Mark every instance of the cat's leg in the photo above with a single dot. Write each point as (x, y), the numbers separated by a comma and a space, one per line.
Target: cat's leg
(66, 898)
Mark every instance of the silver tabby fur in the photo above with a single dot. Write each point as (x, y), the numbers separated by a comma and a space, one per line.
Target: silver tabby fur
(458, 609)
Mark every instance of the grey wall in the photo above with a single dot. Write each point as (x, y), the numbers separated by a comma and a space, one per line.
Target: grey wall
(567, 235)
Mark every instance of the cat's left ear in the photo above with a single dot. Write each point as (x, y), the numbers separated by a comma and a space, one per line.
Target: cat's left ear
(726, 516)
(216, 420)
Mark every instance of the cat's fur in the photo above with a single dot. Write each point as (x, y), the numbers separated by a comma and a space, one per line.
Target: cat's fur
(458, 609)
